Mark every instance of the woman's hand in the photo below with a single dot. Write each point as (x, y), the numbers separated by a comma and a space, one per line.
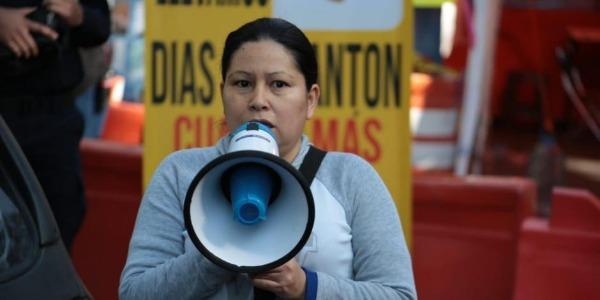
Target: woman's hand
(69, 10)
(287, 281)
(15, 31)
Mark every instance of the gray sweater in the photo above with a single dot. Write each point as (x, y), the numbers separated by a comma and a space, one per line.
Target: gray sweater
(357, 248)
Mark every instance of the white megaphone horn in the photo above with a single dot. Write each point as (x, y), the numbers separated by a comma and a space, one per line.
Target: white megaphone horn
(249, 210)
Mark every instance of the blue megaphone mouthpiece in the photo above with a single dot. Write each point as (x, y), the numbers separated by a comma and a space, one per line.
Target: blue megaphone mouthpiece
(251, 186)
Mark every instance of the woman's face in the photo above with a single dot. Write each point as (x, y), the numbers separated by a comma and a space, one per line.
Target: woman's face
(264, 83)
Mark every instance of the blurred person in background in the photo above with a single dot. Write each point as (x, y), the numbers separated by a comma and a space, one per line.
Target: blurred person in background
(40, 66)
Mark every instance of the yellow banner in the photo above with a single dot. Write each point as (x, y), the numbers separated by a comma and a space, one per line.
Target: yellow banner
(364, 52)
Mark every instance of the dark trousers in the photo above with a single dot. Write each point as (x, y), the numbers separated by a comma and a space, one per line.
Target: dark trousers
(50, 140)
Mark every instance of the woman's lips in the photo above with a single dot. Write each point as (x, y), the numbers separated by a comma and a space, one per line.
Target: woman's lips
(265, 122)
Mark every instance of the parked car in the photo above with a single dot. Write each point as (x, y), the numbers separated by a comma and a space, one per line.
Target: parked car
(34, 263)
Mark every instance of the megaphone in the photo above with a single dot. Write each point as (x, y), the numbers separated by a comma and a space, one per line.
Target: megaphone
(248, 210)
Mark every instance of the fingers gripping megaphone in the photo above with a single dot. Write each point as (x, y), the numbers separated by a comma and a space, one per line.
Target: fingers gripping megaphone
(249, 210)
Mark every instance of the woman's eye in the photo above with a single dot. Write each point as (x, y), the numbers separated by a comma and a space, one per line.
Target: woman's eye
(242, 83)
(279, 84)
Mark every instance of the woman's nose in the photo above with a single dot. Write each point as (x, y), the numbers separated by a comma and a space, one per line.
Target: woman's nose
(259, 100)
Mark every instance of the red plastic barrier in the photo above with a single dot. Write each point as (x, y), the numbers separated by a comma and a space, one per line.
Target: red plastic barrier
(113, 181)
(560, 258)
(465, 234)
(575, 209)
(465, 229)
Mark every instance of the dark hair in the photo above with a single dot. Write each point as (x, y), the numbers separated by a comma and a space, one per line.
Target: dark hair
(280, 31)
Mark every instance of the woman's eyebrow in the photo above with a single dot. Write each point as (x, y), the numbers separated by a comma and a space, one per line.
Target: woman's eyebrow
(239, 72)
(279, 73)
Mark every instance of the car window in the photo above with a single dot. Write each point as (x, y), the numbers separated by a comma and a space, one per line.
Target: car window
(18, 237)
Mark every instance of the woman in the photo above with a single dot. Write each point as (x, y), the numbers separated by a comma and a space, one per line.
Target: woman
(356, 250)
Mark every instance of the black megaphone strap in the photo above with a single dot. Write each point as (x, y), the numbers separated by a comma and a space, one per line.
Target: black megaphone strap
(312, 162)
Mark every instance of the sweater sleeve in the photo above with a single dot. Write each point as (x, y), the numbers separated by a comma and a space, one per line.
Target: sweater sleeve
(162, 262)
(382, 265)
(95, 28)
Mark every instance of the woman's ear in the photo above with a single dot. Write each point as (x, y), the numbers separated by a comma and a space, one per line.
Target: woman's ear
(313, 100)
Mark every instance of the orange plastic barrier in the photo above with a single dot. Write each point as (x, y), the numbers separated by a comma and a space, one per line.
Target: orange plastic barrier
(560, 258)
(434, 107)
(465, 234)
(113, 182)
(124, 123)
